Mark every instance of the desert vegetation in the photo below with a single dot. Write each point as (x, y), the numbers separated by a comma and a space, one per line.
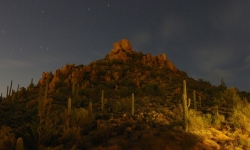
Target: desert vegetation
(128, 100)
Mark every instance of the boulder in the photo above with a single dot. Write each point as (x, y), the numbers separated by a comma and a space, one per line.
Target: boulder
(52, 87)
(171, 66)
(66, 69)
(93, 76)
(120, 49)
(57, 73)
(116, 76)
(125, 44)
(177, 91)
(87, 69)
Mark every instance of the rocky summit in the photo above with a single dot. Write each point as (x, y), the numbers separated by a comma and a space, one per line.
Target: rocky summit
(127, 100)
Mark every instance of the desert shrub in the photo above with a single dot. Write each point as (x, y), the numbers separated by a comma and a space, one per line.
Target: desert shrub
(196, 122)
(104, 116)
(112, 147)
(63, 90)
(79, 117)
(117, 106)
(102, 72)
(100, 136)
(110, 84)
(7, 138)
(239, 120)
(152, 89)
(241, 114)
(76, 101)
(35, 134)
(126, 91)
(122, 105)
(126, 67)
(100, 87)
(85, 91)
(230, 98)
(126, 82)
(117, 61)
(71, 137)
(217, 120)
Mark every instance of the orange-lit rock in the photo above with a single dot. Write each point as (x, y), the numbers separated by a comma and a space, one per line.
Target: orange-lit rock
(87, 69)
(116, 76)
(66, 69)
(171, 66)
(118, 52)
(177, 91)
(125, 44)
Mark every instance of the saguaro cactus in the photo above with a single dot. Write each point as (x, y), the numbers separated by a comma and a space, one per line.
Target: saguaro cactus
(10, 90)
(17, 88)
(186, 104)
(7, 93)
(195, 102)
(133, 105)
(19, 144)
(42, 105)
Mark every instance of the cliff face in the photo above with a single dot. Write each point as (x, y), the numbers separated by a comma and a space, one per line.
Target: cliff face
(122, 62)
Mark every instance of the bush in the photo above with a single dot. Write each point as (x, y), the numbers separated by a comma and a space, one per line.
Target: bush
(126, 82)
(7, 140)
(217, 120)
(117, 61)
(239, 120)
(71, 137)
(196, 122)
(110, 84)
(152, 89)
(102, 72)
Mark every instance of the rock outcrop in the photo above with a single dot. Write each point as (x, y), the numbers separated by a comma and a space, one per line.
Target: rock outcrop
(88, 75)
(120, 49)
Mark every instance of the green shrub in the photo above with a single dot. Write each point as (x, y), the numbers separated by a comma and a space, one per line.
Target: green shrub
(196, 122)
(152, 89)
(110, 84)
(217, 120)
(117, 61)
(126, 82)
(102, 72)
(7, 138)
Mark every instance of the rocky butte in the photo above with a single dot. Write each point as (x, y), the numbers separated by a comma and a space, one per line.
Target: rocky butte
(122, 52)
(127, 100)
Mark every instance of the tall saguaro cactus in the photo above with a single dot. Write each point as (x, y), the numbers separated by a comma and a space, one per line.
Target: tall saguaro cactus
(42, 103)
(7, 93)
(43, 111)
(10, 90)
(133, 105)
(186, 104)
(195, 102)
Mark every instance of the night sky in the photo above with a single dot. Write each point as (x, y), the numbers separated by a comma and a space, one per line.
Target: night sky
(206, 39)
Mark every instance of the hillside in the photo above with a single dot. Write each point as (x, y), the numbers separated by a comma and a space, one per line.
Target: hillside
(127, 100)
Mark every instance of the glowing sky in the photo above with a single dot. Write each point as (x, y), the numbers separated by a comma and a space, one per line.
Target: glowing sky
(208, 40)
